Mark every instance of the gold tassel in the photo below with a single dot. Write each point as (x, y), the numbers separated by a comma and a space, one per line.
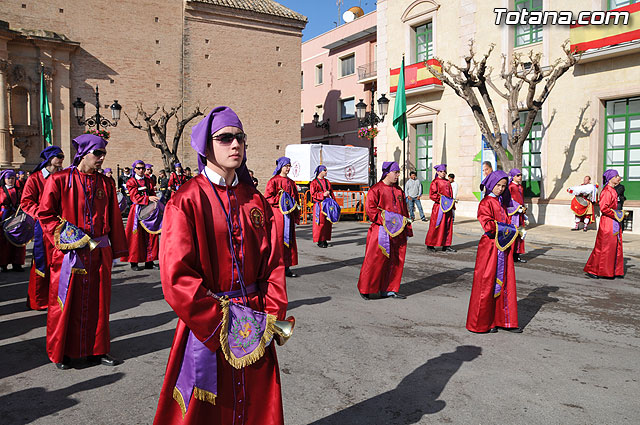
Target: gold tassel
(178, 398)
(39, 273)
(204, 395)
(148, 231)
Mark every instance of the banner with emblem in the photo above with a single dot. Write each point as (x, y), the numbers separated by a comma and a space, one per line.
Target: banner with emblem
(446, 205)
(331, 209)
(506, 235)
(392, 225)
(287, 205)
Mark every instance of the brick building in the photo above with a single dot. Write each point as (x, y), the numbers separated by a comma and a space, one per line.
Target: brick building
(244, 54)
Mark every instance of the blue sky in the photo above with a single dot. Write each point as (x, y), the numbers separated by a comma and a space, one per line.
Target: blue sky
(323, 13)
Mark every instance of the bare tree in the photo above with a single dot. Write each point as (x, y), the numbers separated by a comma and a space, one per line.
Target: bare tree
(156, 129)
(475, 77)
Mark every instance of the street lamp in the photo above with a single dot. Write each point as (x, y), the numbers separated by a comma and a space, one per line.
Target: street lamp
(324, 124)
(97, 120)
(371, 119)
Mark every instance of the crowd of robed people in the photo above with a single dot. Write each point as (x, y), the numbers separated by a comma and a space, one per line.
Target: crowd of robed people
(226, 251)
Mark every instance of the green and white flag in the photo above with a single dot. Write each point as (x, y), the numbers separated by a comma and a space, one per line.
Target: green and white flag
(45, 112)
(400, 107)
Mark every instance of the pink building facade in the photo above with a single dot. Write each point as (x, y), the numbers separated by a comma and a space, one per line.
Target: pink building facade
(338, 69)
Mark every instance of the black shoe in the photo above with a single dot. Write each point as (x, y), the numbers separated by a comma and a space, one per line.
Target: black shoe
(365, 297)
(149, 265)
(593, 276)
(327, 244)
(64, 365)
(136, 268)
(493, 330)
(513, 330)
(423, 219)
(574, 229)
(17, 268)
(289, 273)
(432, 249)
(448, 249)
(105, 360)
(518, 259)
(392, 294)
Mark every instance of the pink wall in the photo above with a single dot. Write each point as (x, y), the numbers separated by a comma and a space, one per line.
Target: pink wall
(335, 87)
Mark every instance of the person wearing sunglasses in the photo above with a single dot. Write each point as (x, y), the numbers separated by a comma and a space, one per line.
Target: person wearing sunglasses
(80, 284)
(143, 246)
(518, 218)
(219, 239)
(148, 171)
(9, 204)
(38, 289)
(286, 220)
(177, 178)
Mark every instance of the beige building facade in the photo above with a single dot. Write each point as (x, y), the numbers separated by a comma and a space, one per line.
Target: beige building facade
(590, 122)
(206, 53)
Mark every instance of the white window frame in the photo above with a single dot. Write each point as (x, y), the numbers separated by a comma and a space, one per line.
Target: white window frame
(342, 58)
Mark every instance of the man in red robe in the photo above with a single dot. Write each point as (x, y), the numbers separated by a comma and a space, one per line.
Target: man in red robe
(9, 204)
(143, 244)
(219, 239)
(494, 302)
(21, 180)
(606, 259)
(386, 207)
(79, 303)
(320, 189)
(441, 222)
(177, 178)
(38, 291)
(285, 220)
(518, 218)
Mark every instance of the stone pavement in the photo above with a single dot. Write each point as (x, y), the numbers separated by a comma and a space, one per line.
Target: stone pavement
(546, 234)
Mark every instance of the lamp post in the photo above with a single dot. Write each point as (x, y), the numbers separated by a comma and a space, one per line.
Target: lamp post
(324, 124)
(97, 120)
(371, 119)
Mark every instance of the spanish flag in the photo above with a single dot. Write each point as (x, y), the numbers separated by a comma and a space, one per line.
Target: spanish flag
(585, 37)
(416, 75)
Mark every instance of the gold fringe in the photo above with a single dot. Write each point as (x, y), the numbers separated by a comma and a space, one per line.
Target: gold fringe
(39, 273)
(78, 271)
(239, 363)
(450, 208)
(148, 231)
(328, 219)
(384, 251)
(384, 224)
(18, 245)
(501, 288)
(68, 246)
(204, 395)
(60, 303)
(177, 396)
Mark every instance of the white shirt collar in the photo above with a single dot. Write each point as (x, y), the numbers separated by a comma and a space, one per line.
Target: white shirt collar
(45, 173)
(138, 177)
(218, 179)
(493, 195)
(7, 186)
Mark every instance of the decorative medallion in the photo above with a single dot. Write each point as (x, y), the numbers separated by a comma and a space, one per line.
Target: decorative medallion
(257, 217)
(100, 194)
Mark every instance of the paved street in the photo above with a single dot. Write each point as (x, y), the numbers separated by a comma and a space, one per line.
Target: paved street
(378, 362)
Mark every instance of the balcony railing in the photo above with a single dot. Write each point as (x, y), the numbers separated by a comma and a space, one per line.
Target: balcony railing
(415, 76)
(368, 71)
(589, 37)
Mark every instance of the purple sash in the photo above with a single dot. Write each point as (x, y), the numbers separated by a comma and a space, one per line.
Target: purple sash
(514, 212)
(198, 375)
(287, 204)
(619, 217)
(39, 251)
(506, 235)
(72, 264)
(446, 204)
(316, 212)
(153, 223)
(392, 225)
(244, 334)
(331, 209)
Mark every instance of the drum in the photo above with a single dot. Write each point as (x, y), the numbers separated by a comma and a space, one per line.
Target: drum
(18, 229)
(122, 202)
(150, 217)
(582, 201)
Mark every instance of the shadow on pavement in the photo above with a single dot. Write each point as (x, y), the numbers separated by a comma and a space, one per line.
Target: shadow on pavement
(325, 267)
(26, 406)
(22, 356)
(130, 348)
(130, 325)
(433, 281)
(22, 325)
(307, 301)
(530, 306)
(415, 396)
(530, 255)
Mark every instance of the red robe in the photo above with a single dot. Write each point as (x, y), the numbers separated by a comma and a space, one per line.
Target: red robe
(321, 230)
(176, 181)
(9, 253)
(82, 328)
(143, 246)
(379, 273)
(195, 257)
(485, 311)
(38, 292)
(606, 259)
(441, 235)
(274, 185)
(517, 194)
